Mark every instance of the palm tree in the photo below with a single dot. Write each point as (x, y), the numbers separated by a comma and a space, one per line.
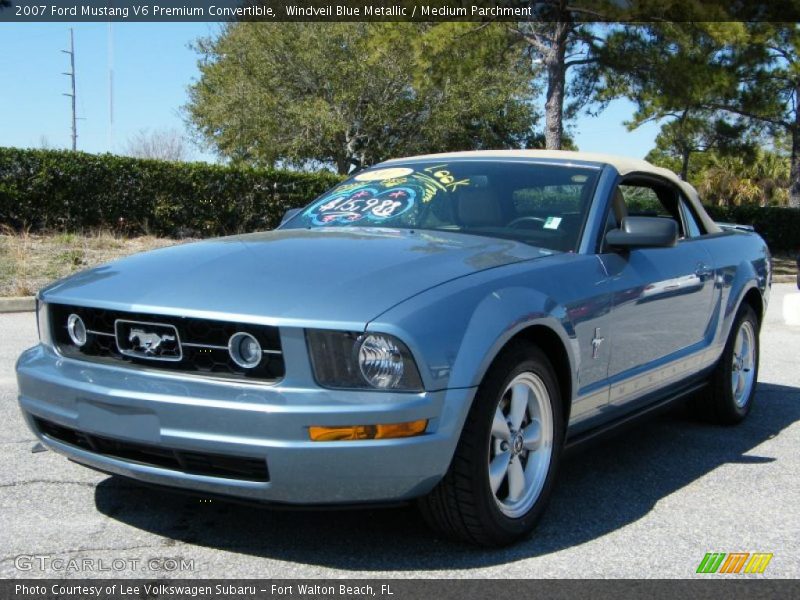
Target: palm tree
(734, 180)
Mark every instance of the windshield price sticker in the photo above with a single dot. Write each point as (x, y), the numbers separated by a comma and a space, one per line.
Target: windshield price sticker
(367, 203)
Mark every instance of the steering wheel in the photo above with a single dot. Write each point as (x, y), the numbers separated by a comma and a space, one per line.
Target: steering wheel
(520, 220)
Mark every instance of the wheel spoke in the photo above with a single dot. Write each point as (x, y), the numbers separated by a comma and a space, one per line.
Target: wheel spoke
(519, 404)
(500, 426)
(737, 348)
(498, 469)
(516, 480)
(740, 383)
(532, 436)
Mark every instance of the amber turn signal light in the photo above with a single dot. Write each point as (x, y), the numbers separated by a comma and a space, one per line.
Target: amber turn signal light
(367, 432)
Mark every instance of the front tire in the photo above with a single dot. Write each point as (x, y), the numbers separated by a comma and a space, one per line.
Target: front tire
(733, 382)
(504, 466)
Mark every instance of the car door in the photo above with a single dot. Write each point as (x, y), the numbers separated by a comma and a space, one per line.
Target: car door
(662, 298)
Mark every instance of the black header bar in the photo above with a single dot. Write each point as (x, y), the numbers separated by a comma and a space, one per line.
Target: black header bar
(394, 589)
(399, 10)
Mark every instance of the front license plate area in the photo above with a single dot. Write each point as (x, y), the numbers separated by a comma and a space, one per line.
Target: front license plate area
(118, 421)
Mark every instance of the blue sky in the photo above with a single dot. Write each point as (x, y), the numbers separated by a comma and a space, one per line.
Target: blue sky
(153, 65)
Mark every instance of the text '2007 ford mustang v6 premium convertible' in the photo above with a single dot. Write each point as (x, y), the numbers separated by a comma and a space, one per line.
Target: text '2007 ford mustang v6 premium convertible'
(436, 328)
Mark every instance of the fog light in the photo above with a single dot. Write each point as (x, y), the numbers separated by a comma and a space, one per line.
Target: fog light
(367, 432)
(76, 330)
(245, 350)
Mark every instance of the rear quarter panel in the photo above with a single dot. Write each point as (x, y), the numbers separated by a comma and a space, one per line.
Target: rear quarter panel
(741, 262)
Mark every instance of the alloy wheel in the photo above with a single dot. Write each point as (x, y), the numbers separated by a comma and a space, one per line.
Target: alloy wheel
(520, 445)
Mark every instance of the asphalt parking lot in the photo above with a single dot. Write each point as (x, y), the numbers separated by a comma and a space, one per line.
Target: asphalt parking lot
(647, 503)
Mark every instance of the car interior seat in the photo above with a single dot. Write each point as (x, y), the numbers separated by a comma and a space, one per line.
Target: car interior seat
(618, 207)
(479, 207)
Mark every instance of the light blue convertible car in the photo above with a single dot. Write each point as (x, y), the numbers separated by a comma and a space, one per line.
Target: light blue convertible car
(437, 328)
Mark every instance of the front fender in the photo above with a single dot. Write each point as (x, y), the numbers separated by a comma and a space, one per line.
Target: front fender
(496, 320)
(457, 329)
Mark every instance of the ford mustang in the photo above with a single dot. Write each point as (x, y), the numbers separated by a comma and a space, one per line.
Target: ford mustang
(437, 328)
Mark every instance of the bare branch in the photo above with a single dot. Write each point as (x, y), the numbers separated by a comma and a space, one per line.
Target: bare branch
(533, 39)
(751, 115)
(583, 61)
(164, 144)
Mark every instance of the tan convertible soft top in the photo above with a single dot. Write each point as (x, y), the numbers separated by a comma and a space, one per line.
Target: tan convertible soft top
(623, 164)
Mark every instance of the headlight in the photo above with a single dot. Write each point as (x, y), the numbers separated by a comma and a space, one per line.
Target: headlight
(350, 360)
(43, 323)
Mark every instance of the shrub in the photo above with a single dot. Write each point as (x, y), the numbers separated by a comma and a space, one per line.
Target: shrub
(779, 226)
(73, 191)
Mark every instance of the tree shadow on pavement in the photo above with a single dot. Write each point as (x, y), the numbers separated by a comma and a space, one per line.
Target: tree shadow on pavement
(615, 484)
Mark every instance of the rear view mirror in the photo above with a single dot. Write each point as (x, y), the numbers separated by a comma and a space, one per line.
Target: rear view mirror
(644, 232)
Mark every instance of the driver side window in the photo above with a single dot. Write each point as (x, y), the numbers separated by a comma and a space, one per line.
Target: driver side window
(650, 199)
(643, 201)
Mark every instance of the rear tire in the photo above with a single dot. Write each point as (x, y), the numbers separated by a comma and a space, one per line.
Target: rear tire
(732, 385)
(504, 466)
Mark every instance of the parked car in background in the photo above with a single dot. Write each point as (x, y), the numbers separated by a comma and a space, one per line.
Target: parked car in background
(436, 328)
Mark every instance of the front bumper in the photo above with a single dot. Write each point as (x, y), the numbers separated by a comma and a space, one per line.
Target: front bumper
(265, 422)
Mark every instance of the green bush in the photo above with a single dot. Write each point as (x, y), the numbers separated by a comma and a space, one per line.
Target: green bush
(73, 191)
(780, 227)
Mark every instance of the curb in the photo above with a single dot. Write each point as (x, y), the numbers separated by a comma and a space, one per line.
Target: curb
(17, 304)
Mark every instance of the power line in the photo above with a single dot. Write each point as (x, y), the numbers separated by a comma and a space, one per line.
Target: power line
(71, 75)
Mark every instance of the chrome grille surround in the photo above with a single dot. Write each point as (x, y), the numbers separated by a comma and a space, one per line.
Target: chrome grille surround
(202, 344)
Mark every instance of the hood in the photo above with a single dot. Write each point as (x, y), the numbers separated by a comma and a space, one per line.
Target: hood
(336, 275)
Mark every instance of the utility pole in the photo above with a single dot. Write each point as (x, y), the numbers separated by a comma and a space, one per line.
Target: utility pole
(71, 75)
(110, 88)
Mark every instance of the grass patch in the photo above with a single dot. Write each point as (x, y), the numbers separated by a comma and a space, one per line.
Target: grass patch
(28, 261)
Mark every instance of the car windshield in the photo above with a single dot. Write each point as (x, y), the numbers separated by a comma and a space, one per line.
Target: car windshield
(543, 204)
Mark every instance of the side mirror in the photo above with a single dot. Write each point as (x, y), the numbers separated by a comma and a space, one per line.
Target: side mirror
(289, 214)
(644, 232)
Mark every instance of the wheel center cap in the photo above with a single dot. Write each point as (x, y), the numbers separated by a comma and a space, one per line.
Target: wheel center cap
(517, 444)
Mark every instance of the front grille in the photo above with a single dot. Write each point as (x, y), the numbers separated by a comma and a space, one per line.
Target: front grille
(203, 343)
(194, 463)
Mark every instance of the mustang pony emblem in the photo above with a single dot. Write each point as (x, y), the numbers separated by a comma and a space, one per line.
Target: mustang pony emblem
(148, 342)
